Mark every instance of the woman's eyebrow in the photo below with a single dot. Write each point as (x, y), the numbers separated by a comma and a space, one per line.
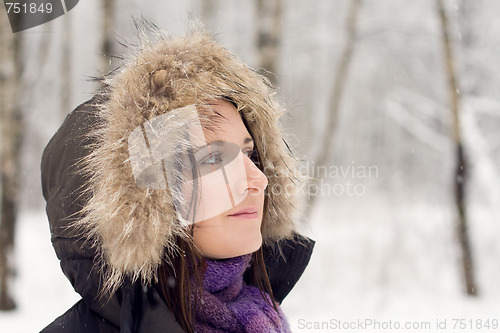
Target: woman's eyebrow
(196, 148)
(247, 140)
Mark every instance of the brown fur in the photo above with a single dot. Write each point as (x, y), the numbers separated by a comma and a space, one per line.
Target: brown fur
(134, 227)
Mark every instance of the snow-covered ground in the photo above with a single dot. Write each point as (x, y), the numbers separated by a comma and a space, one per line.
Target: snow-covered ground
(377, 264)
(380, 265)
(42, 292)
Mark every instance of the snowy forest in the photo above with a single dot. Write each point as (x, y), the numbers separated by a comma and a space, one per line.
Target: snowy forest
(393, 111)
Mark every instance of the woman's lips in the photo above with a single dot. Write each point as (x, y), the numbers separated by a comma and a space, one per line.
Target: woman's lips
(249, 212)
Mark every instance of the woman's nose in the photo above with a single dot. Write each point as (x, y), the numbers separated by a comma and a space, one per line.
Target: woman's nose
(256, 179)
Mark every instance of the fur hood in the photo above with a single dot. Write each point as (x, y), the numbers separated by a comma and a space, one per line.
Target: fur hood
(133, 228)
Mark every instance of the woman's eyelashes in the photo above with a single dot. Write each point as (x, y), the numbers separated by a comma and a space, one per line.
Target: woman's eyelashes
(251, 153)
(217, 154)
(218, 157)
(212, 159)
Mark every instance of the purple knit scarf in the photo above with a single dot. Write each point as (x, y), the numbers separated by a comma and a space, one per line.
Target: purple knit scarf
(228, 304)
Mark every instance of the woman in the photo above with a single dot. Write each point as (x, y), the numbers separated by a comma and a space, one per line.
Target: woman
(169, 197)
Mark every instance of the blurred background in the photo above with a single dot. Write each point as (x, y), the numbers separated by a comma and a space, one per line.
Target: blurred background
(393, 110)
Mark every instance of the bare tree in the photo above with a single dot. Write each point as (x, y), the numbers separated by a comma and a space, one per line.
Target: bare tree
(11, 127)
(208, 11)
(66, 86)
(460, 176)
(108, 23)
(269, 15)
(336, 95)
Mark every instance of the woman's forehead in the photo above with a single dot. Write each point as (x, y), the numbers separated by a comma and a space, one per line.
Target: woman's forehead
(229, 125)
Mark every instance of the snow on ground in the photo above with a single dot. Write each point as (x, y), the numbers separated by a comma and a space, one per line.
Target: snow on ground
(377, 264)
(42, 291)
(380, 265)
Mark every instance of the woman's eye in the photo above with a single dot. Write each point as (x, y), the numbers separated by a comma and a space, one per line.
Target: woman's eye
(214, 159)
(252, 155)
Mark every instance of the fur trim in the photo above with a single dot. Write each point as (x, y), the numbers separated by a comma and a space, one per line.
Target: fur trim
(134, 227)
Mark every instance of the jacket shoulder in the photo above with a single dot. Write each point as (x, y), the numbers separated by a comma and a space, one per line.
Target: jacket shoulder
(286, 262)
(80, 319)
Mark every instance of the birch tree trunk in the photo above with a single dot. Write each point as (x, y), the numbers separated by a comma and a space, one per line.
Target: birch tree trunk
(336, 95)
(66, 81)
(460, 176)
(269, 14)
(108, 24)
(11, 132)
(208, 12)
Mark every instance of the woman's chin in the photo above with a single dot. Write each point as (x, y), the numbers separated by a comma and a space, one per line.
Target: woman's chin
(248, 245)
(228, 237)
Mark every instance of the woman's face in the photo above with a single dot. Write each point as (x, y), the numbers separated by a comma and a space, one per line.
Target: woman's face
(236, 231)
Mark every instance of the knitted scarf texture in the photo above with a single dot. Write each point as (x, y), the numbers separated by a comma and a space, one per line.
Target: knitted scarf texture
(228, 304)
